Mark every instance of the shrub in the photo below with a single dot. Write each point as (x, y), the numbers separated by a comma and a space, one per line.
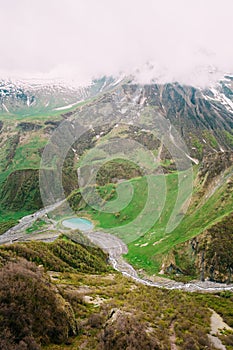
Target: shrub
(30, 312)
(126, 332)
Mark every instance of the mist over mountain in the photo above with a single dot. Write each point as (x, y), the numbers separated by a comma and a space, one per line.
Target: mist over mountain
(188, 42)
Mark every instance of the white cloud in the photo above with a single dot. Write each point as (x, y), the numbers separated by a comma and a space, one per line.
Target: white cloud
(78, 39)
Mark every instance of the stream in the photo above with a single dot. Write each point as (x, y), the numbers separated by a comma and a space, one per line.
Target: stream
(115, 248)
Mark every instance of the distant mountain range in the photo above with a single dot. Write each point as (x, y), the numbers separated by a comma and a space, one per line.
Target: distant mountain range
(38, 97)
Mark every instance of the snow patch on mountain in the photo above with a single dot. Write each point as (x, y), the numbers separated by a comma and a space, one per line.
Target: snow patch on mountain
(68, 106)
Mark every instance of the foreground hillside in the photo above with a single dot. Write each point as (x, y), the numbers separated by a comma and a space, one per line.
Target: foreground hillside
(98, 308)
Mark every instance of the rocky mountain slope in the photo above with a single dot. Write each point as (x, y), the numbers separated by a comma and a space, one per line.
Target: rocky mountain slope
(208, 254)
(203, 117)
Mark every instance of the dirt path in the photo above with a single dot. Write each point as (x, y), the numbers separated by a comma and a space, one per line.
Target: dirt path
(172, 337)
(217, 325)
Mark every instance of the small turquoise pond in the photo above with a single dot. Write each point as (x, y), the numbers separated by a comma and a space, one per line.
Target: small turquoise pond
(79, 223)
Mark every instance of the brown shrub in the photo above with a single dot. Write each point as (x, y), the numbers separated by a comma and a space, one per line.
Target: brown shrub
(30, 313)
(95, 320)
(126, 332)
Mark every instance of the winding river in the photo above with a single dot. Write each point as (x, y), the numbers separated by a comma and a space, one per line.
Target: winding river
(111, 245)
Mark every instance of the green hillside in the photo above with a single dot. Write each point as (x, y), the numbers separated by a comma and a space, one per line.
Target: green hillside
(211, 203)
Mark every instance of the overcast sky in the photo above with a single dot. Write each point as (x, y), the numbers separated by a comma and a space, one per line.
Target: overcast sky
(181, 40)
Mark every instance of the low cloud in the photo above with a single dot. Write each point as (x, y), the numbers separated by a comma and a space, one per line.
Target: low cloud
(75, 40)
